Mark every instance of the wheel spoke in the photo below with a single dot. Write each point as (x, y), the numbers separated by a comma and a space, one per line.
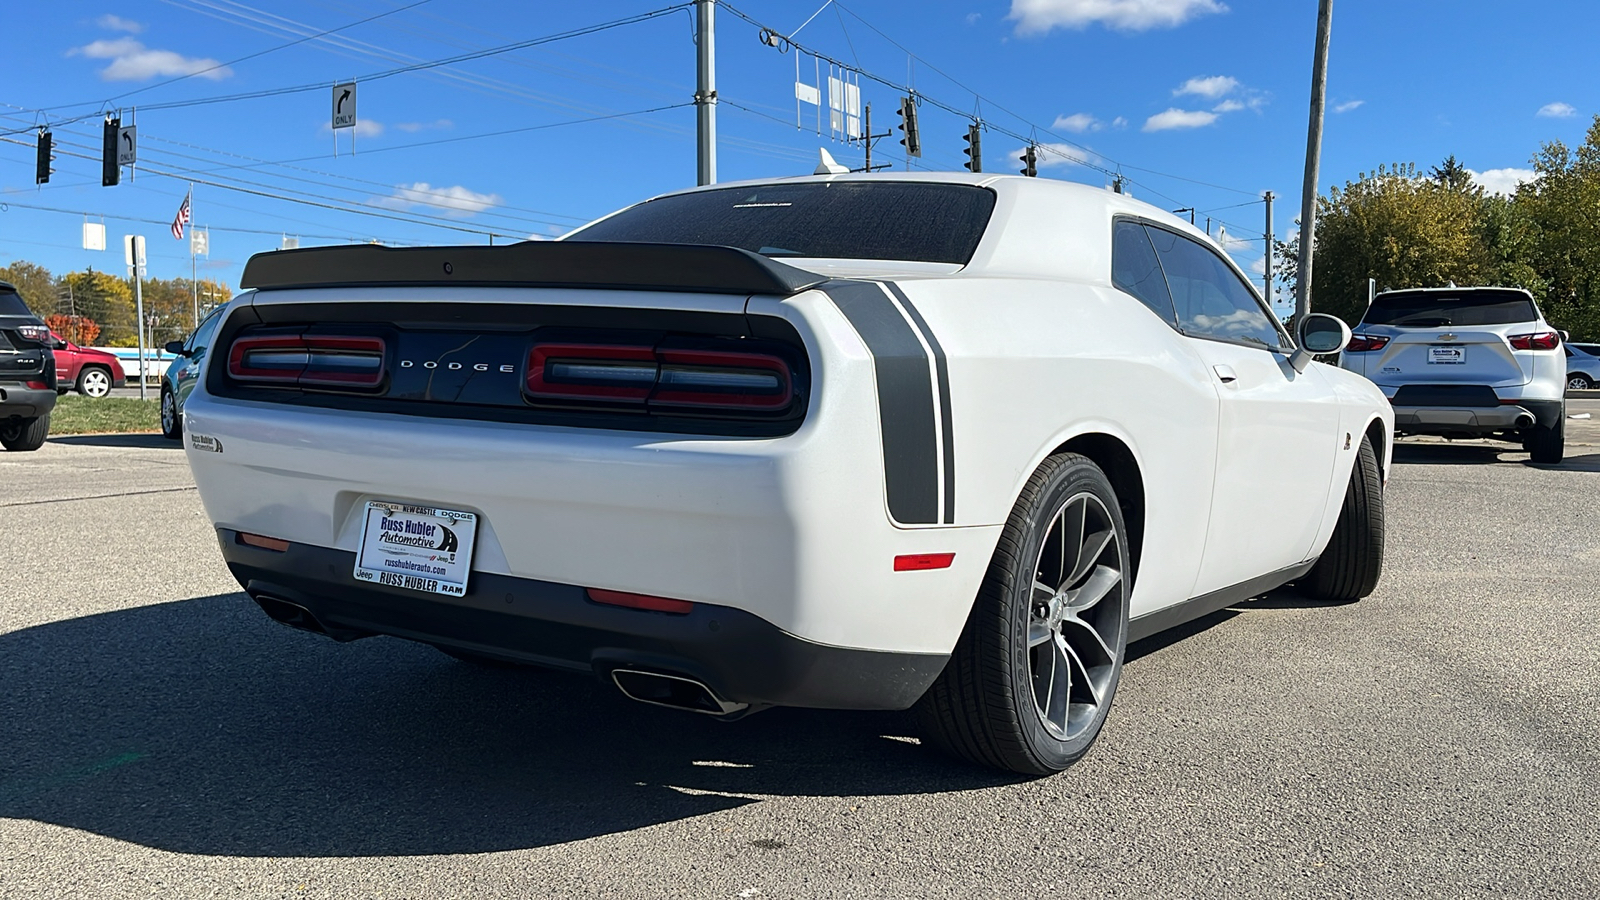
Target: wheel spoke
(1084, 680)
(1079, 632)
(1038, 633)
(1060, 695)
(1095, 589)
(1093, 547)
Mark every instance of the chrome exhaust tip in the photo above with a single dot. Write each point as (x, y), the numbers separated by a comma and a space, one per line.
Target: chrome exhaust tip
(673, 691)
(1523, 421)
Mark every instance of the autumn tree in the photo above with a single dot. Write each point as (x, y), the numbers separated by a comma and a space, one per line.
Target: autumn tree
(35, 283)
(106, 299)
(1562, 209)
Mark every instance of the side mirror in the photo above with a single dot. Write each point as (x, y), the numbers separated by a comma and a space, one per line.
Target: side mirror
(1319, 334)
(57, 343)
(175, 348)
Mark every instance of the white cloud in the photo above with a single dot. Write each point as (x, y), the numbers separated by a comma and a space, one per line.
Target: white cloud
(1077, 123)
(414, 127)
(972, 18)
(1557, 111)
(1040, 16)
(1210, 88)
(455, 201)
(364, 128)
(133, 61)
(1231, 243)
(1179, 118)
(118, 23)
(1349, 105)
(1119, 122)
(1502, 181)
(1228, 106)
(1259, 267)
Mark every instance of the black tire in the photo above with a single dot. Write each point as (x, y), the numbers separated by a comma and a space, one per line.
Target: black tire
(171, 419)
(1547, 444)
(24, 434)
(1351, 564)
(95, 381)
(985, 706)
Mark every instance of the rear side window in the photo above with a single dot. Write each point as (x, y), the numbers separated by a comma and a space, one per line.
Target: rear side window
(11, 305)
(1134, 269)
(1439, 310)
(829, 220)
(1211, 301)
(201, 339)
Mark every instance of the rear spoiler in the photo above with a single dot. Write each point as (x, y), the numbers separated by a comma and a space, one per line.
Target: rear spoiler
(582, 264)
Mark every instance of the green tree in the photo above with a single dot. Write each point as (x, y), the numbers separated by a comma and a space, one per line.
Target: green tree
(106, 299)
(35, 283)
(1562, 210)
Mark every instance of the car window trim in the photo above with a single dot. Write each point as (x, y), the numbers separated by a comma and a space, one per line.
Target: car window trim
(1287, 348)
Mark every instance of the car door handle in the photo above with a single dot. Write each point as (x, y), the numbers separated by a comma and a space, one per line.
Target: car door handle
(1225, 374)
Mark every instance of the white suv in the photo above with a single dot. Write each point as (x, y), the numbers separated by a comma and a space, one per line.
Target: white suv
(1466, 362)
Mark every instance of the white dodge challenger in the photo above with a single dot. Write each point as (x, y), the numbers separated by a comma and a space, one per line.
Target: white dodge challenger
(860, 442)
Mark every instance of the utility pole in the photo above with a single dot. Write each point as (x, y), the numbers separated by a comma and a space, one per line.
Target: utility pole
(705, 95)
(868, 139)
(1266, 276)
(1308, 192)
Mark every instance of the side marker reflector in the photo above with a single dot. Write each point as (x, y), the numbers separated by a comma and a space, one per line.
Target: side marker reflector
(916, 562)
(640, 601)
(265, 543)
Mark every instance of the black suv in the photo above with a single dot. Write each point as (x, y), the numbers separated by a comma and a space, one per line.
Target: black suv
(27, 374)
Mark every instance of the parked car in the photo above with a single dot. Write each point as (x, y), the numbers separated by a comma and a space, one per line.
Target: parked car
(861, 441)
(1466, 362)
(1583, 366)
(93, 372)
(178, 381)
(27, 374)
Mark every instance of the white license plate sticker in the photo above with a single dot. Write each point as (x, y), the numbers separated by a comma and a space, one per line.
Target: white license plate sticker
(1448, 356)
(418, 548)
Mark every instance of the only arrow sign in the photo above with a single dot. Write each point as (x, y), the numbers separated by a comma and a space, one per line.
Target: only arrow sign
(344, 114)
(127, 146)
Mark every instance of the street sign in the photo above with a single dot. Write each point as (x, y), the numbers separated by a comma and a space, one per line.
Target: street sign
(94, 236)
(133, 246)
(127, 146)
(344, 105)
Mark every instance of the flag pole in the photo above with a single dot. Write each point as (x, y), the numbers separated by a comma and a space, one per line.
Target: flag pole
(194, 278)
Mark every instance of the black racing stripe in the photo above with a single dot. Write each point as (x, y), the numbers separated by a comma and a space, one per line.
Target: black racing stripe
(947, 423)
(905, 399)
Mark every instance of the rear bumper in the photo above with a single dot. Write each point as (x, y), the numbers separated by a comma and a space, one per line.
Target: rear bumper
(740, 656)
(25, 402)
(1425, 419)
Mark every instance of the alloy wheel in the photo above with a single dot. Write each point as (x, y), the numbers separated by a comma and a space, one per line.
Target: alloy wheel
(1577, 383)
(95, 383)
(169, 412)
(1076, 613)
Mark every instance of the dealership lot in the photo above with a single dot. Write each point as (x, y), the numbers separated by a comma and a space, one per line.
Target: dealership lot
(159, 735)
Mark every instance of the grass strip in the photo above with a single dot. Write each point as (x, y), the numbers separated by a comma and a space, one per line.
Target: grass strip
(75, 414)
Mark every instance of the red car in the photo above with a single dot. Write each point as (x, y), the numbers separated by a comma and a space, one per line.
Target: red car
(93, 372)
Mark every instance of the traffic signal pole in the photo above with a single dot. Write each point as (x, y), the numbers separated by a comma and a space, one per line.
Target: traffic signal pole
(705, 95)
(1266, 266)
(1308, 192)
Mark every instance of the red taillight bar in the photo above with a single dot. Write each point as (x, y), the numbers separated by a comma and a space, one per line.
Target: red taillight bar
(640, 601)
(660, 376)
(310, 359)
(1366, 343)
(1539, 340)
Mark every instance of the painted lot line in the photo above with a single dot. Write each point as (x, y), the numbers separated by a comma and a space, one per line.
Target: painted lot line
(159, 736)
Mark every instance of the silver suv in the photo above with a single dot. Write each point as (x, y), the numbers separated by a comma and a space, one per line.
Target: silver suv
(1466, 362)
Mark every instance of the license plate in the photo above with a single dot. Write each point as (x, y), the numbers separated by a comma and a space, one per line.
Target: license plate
(1449, 356)
(417, 548)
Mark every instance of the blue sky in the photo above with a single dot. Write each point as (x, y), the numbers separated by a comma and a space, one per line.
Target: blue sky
(1200, 103)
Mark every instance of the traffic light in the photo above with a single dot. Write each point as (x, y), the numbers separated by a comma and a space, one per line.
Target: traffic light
(908, 124)
(42, 172)
(1030, 161)
(110, 172)
(974, 149)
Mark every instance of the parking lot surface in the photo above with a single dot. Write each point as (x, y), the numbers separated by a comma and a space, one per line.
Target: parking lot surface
(159, 736)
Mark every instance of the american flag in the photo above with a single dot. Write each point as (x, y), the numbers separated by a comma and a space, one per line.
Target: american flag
(181, 219)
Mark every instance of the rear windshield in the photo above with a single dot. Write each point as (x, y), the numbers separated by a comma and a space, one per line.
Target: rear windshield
(12, 305)
(830, 220)
(1440, 310)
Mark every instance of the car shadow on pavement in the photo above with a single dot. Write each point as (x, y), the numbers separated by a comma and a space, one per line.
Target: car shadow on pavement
(151, 441)
(1454, 454)
(200, 726)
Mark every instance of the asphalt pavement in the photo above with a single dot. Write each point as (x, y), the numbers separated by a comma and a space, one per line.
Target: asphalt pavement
(159, 736)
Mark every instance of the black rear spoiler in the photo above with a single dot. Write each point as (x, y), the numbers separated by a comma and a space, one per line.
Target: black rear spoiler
(584, 264)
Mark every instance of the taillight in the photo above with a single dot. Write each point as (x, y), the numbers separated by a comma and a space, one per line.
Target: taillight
(640, 601)
(660, 377)
(1365, 343)
(38, 333)
(308, 359)
(1541, 340)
